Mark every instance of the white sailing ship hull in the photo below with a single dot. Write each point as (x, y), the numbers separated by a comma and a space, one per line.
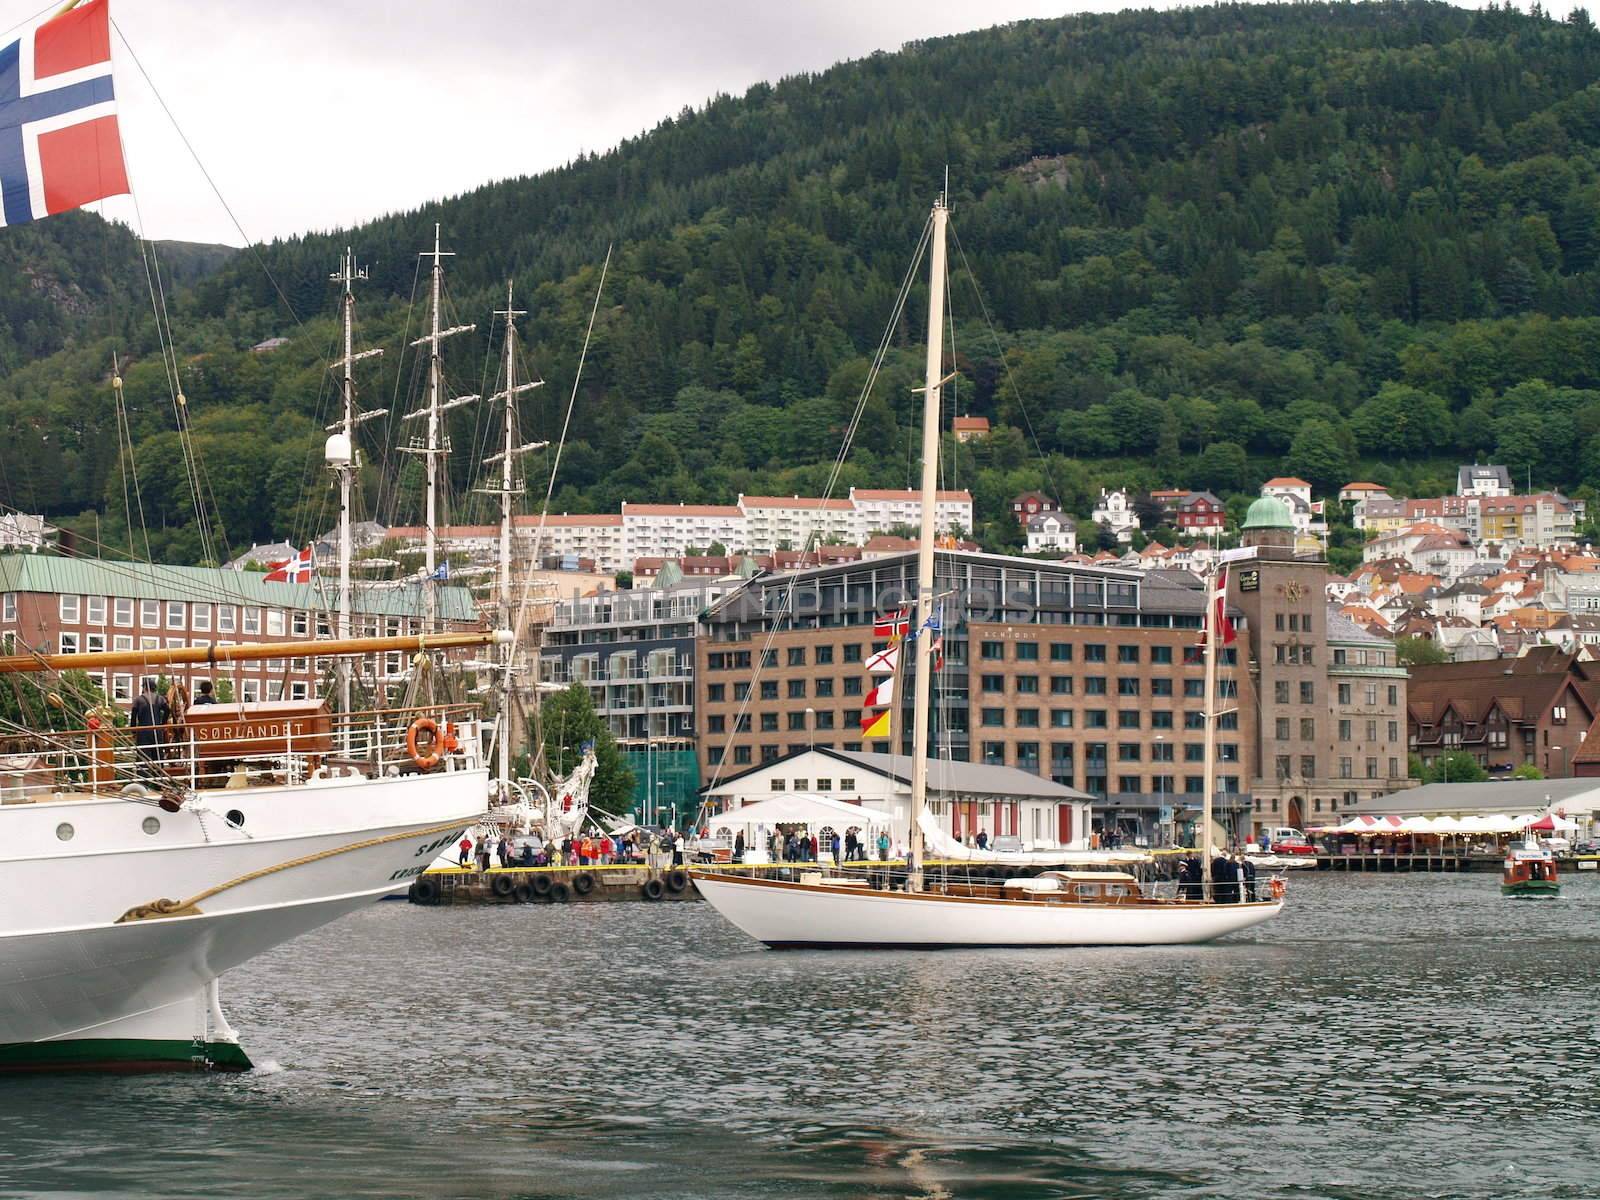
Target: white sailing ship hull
(81, 988)
(787, 915)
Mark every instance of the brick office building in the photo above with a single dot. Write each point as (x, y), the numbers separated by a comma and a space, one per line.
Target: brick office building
(72, 605)
(1086, 676)
(1323, 699)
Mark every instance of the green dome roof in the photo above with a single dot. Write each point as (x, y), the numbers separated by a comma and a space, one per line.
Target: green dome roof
(1268, 513)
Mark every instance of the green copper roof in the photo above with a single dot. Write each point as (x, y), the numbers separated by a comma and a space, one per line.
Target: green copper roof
(1268, 513)
(221, 585)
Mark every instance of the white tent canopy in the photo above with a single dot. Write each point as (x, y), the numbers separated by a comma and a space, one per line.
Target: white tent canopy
(798, 808)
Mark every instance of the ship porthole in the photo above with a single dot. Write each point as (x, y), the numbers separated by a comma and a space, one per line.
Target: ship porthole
(235, 818)
(152, 825)
(65, 832)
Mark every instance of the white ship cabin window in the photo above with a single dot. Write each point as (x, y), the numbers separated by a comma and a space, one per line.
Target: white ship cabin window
(777, 785)
(200, 617)
(297, 689)
(122, 611)
(70, 612)
(149, 643)
(95, 643)
(252, 620)
(847, 784)
(250, 690)
(150, 614)
(275, 622)
(97, 610)
(8, 607)
(122, 641)
(225, 618)
(302, 623)
(69, 643)
(122, 688)
(175, 614)
(274, 689)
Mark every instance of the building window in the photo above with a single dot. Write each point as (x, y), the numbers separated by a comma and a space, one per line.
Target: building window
(97, 610)
(275, 622)
(797, 722)
(797, 656)
(1094, 685)
(852, 685)
(992, 651)
(824, 719)
(1061, 685)
(200, 617)
(302, 623)
(8, 607)
(1394, 695)
(852, 652)
(252, 620)
(1308, 766)
(175, 614)
(716, 692)
(1060, 718)
(769, 689)
(993, 717)
(1128, 752)
(1028, 685)
(225, 618)
(1127, 686)
(1308, 729)
(1344, 693)
(741, 755)
(1194, 688)
(994, 683)
(1161, 718)
(1028, 718)
(1372, 768)
(250, 690)
(1094, 652)
(824, 688)
(1128, 718)
(1161, 655)
(716, 723)
(70, 609)
(1095, 718)
(1307, 692)
(741, 690)
(994, 754)
(1282, 763)
(1027, 651)
(769, 721)
(1161, 752)
(1060, 651)
(69, 643)
(1028, 756)
(1127, 654)
(824, 656)
(797, 689)
(122, 611)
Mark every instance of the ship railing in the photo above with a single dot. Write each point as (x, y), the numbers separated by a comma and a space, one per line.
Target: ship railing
(106, 759)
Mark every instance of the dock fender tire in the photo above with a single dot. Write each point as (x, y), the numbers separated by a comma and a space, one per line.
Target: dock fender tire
(653, 889)
(991, 872)
(522, 893)
(541, 885)
(424, 891)
(502, 886)
(583, 884)
(677, 879)
(560, 893)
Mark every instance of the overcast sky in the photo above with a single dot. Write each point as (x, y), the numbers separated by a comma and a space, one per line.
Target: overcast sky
(312, 114)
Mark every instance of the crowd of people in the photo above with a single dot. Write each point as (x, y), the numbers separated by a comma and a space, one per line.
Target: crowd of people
(594, 849)
(801, 845)
(1233, 879)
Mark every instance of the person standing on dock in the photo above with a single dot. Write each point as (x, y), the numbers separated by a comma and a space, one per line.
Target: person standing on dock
(503, 851)
(150, 713)
(466, 850)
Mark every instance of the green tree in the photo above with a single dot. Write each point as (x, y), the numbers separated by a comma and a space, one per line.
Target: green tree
(1419, 652)
(1527, 771)
(1455, 767)
(569, 720)
(1319, 454)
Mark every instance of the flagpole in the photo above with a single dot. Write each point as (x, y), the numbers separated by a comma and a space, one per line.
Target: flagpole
(1207, 788)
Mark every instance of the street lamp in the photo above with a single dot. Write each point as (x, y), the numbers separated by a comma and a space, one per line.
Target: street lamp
(811, 728)
(1161, 792)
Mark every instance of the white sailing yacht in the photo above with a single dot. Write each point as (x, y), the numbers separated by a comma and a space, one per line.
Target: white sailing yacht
(1054, 909)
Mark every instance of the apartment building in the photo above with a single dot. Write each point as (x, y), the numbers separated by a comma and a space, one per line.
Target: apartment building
(671, 530)
(1310, 693)
(594, 536)
(879, 510)
(1086, 676)
(71, 606)
(793, 522)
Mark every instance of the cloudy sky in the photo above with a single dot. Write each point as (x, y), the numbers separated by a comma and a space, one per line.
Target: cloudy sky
(311, 115)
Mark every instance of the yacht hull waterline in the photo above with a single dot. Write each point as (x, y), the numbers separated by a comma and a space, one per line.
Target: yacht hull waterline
(82, 988)
(793, 916)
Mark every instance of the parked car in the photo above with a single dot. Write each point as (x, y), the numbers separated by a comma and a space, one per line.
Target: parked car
(1586, 848)
(1286, 839)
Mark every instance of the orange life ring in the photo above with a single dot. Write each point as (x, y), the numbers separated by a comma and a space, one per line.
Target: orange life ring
(1276, 887)
(426, 761)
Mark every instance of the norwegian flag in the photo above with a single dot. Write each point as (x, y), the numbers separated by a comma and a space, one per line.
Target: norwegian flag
(895, 625)
(60, 147)
(1219, 602)
(298, 569)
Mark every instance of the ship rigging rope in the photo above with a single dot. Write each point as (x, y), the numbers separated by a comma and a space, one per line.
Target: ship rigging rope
(786, 607)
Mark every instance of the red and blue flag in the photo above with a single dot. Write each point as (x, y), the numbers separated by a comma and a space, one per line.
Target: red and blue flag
(60, 147)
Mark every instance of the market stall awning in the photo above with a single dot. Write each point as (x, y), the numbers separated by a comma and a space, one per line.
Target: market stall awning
(800, 808)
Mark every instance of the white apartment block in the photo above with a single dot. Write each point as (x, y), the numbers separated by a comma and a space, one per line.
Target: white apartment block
(789, 522)
(670, 530)
(879, 510)
(596, 536)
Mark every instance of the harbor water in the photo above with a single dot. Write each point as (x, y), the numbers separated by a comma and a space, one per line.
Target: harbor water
(1387, 1036)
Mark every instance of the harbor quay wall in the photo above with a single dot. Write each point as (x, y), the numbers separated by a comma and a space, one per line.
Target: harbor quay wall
(558, 885)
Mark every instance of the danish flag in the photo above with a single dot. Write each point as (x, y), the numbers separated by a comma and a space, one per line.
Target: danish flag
(298, 569)
(59, 143)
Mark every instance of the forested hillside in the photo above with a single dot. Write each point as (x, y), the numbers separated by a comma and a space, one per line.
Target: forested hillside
(1215, 245)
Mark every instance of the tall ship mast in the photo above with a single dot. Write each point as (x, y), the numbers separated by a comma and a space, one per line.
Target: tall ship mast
(340, 452)
(433, 446)
(510, 486)
(1054, 909)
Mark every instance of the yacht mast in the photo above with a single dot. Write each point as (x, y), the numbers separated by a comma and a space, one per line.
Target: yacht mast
(510, 486)
(1213, 634)
(341, 455)
(933, 383)
(434, 447)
